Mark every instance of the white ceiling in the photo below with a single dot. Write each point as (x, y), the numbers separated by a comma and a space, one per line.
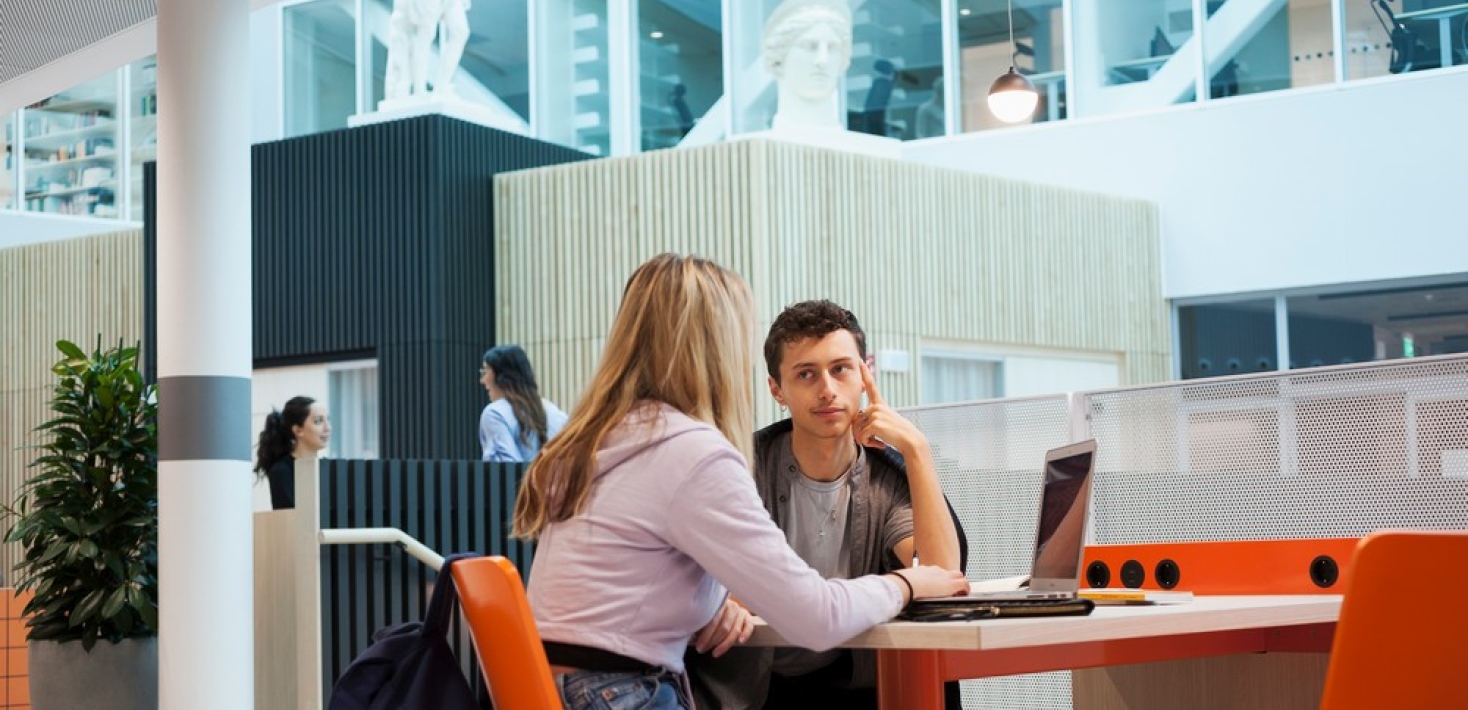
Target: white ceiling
(45, 44)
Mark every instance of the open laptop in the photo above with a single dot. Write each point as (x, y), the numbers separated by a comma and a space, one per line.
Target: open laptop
(1060, 529)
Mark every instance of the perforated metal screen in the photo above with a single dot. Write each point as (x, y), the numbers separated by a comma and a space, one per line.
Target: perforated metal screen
(989, 456)
(1326, 452)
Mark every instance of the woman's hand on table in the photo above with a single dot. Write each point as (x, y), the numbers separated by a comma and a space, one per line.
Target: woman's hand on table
(731, 625)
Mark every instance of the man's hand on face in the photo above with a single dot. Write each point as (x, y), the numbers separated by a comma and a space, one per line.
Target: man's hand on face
(880, 426)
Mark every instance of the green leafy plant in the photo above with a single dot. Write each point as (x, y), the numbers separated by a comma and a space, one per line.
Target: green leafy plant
(87, 519)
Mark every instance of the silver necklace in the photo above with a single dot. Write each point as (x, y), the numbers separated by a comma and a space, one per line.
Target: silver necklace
(826, 523)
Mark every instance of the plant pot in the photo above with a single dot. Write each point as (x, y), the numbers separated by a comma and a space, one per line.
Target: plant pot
(120, 676)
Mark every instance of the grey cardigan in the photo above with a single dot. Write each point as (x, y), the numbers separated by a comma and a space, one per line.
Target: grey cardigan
(740, 679)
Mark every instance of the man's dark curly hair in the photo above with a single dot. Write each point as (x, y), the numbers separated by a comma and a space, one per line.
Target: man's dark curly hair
(809, 319)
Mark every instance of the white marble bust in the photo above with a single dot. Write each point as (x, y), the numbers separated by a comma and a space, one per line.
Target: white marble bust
(807, 47)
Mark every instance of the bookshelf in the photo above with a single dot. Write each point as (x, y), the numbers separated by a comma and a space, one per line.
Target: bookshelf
(68, 154)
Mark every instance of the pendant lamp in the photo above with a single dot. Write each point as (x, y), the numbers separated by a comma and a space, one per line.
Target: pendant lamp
(1012, 98)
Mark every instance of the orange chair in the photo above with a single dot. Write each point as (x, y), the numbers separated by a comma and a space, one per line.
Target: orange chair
(1401, 642)
(510, 655)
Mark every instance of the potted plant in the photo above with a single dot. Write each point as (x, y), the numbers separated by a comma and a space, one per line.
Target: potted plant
(87, 522)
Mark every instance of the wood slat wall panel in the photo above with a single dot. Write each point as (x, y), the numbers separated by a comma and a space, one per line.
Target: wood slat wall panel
(75, 289)
(918, 253)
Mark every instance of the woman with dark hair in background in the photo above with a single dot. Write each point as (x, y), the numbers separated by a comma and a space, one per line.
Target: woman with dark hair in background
(299, 430)
(517, 421)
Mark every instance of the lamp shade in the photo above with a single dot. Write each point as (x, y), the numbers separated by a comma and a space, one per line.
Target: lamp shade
(1012, 97)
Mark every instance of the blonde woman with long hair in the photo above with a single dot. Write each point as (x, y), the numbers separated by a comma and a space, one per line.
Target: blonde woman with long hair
(647, 516)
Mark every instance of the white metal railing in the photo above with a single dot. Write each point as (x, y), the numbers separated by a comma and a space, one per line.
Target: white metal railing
(367, 536)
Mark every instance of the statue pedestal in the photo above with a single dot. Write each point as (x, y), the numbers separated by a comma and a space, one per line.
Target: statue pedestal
(451, 106)
(834, 139)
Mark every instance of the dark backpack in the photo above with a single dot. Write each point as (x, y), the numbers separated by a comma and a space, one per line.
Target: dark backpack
(410, 666)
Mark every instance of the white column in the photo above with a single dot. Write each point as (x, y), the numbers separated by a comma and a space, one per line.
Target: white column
(206, 619)
(624, 118)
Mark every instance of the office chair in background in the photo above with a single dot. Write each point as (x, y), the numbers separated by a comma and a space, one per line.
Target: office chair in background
(1409, 52)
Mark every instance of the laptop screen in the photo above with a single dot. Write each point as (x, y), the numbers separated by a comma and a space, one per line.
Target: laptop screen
(1062, 529)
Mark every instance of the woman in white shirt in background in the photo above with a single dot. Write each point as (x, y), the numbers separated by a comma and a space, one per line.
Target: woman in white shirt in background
(517, 421)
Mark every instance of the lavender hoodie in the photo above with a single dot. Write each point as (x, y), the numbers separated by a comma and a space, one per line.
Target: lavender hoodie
(673, 517)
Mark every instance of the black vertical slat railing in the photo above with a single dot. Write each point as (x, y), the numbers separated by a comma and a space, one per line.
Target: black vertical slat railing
(449, 506)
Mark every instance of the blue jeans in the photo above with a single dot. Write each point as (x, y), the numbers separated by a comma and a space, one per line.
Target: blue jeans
(591, 690)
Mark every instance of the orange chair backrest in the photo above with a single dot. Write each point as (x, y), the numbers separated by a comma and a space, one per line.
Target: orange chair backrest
(1402, 639)
(510, 655)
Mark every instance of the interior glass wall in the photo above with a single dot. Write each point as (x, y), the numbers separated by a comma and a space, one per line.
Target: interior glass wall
(319, 44)
(495, 69)
(1378, 324)
(896, 74)
(751, 87)
(985, 54)
(573, 82)
(1350, 326)
(1227, 338)
(1400, 36)
(1133, 55)
(8, 171)
(680, 61)
(142, 128)
(70, 144)
(1255, 46)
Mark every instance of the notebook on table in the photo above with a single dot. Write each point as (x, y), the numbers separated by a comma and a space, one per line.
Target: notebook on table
(1060, 533)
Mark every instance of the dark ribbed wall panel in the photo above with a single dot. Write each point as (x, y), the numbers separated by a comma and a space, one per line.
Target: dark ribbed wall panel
(450, 506)
(378, 242)
(150, 272)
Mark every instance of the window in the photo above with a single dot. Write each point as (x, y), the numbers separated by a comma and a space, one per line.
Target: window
(1381, 322)
(320, 65)
(573, 75)
(1227, 338)
(894, 86)
(1378, 324)
(960, 377)
(1039, 53)
(960, 373)
(352, 392)
(680, 55)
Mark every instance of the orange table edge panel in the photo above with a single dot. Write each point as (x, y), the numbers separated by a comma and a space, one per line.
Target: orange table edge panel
(909, 678)
(1305, 566)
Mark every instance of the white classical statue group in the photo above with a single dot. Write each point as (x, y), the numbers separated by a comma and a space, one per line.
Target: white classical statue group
(806, 48)
(411, 30)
